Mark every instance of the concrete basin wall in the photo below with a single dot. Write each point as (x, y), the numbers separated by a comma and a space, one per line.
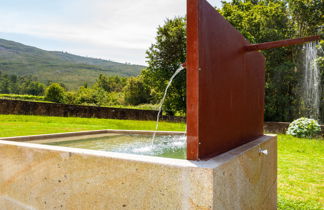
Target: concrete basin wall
(34, 176)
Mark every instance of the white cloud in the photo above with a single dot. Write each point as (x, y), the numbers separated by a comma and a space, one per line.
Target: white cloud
(122, 25)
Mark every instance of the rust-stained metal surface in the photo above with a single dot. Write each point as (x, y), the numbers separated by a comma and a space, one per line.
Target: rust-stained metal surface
(225, 85)
(281, 43)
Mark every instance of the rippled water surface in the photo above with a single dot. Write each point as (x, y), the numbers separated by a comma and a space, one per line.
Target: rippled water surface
(172, 146)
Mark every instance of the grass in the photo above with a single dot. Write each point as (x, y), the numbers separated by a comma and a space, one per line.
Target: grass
(300, 161)
(300, 173)
(21, 125)
(23, 97)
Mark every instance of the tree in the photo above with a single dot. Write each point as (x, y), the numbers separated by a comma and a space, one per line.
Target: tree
(263, 21)
(110, 84)
(136, 91)
(32, 88)
(55, 93)
(4, 84)
(91, 96)
(165, 56)
(307, 16)
(307, 19)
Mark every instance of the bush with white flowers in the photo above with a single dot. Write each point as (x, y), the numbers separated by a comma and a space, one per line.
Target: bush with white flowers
(304, 128)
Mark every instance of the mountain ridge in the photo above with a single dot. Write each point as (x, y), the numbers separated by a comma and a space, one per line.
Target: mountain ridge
(69, 69)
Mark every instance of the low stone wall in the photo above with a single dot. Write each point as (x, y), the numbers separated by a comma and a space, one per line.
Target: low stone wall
(281, 127)
(64, 110)
(276, 127)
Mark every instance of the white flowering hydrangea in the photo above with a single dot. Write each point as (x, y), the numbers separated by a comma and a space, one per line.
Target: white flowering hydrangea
(304, 128)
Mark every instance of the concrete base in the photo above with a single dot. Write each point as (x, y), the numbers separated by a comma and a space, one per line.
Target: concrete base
(36, 176)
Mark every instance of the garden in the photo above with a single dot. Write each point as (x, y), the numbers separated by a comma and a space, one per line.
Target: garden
(294, 81)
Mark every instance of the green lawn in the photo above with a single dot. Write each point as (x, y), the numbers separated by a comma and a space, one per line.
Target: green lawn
(20, 125)
(300, 173)
(300, 161)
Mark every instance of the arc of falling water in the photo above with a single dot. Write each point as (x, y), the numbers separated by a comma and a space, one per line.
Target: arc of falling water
(162, 102)
(312, 81)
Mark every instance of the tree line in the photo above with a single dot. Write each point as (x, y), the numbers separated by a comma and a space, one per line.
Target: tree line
(20, 85)
(106, 91)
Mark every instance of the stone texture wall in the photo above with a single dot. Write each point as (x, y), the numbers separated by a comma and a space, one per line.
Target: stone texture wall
(276, 127)
(63, 110)
(280, 127)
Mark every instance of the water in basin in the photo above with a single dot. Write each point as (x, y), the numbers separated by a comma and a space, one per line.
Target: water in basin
(172, 146)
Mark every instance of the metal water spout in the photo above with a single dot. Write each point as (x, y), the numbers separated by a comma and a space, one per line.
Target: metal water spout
(281, 43)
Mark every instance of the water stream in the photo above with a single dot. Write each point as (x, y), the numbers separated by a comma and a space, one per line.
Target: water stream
(162, 102)
(312, 81)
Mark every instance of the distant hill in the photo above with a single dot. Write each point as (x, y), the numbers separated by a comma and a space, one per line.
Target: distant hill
(72, 70)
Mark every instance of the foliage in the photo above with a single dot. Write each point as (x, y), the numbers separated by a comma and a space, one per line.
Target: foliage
(20, 85)
(262, 21)
(33, 88)
(259, 21)
(320, 63)
(136, 91)
(107, 91)
(110, 83)
(55, 93)
(304, 128)
(307, 16)
(165, 56)
(90, 96)
(115, 99)
(307, 19)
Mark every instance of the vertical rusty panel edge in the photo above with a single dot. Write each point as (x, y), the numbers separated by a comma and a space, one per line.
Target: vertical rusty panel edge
(193, 10)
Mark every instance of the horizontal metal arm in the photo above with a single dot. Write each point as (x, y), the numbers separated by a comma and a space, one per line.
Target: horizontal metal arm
(282, 43)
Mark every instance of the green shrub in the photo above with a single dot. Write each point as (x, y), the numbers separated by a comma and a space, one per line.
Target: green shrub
(70, 98)
(55, 93)
(114, 99)
(304, 128)
(136, 91)
(90, 96)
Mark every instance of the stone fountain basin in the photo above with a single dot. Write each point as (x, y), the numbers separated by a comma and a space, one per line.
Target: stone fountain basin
(36, 176)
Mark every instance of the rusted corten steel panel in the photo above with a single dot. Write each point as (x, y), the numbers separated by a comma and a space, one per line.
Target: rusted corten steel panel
(225, 85)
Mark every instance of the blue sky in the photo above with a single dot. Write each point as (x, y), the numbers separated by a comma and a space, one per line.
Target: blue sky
(117, 30)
